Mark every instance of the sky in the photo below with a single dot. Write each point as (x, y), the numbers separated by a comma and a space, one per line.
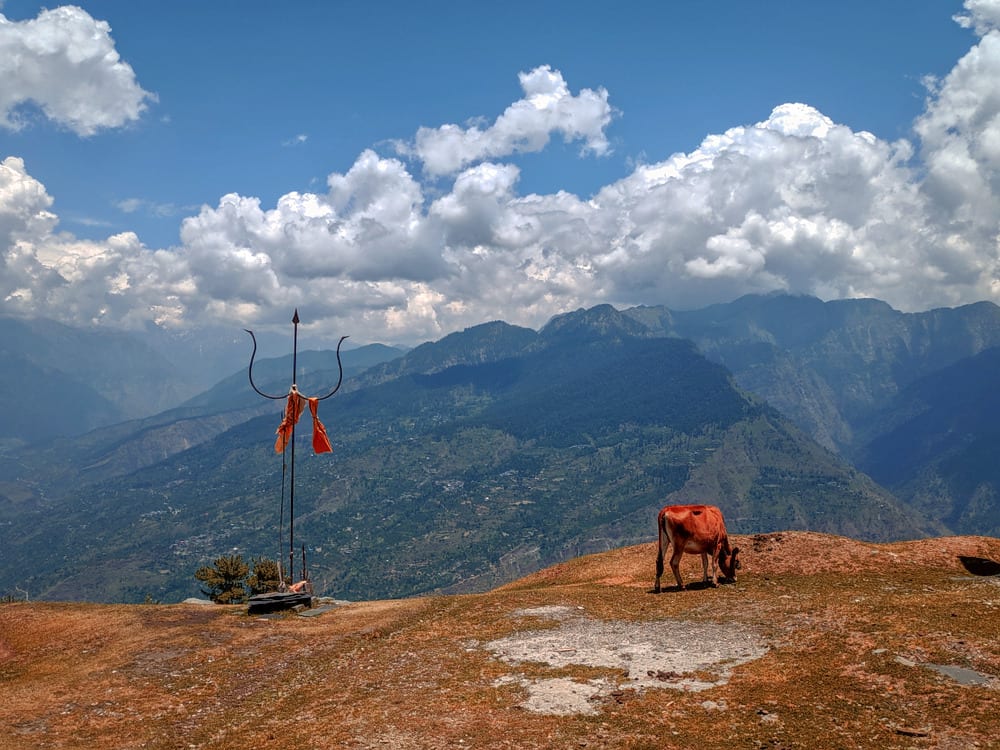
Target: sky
(398, 171)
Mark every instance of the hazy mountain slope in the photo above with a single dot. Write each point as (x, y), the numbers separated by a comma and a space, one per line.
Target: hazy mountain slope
(73, 380)
(129, 446)
(828, 365)
(318, 374)
(38, 403)
(936, 445)
(487, 342)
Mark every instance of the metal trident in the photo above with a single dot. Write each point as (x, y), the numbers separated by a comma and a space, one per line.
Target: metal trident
(293, 389)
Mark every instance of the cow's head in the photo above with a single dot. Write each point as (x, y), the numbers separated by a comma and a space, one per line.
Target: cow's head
(730, 563)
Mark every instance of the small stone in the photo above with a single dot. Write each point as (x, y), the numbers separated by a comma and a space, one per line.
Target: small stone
(910, 732)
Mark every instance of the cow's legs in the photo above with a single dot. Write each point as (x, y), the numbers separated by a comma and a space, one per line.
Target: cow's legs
(675, 565)
(704, 566)
(715, 569)
(662, 542)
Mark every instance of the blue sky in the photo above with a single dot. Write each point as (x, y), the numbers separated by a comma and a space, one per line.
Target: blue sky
(402, 170)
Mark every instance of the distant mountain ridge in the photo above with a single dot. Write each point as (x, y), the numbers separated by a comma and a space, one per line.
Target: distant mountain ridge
(828, 365)
(462, 464)
(908, 397)
(468, 461)
(132, 445)
(77, 380)
(936, 444)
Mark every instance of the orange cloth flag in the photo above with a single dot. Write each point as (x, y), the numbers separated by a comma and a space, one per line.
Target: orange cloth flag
(293, 410)
(321, 442)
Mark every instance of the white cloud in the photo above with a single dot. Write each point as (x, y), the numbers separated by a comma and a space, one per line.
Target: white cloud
(55, 275)
(148, 207)
(960, 138)
(982, 16)
(24, 216)
(368, 227)
(960, 148)
(24, 203)
(65, 62)
(795, 202)
(526, 125)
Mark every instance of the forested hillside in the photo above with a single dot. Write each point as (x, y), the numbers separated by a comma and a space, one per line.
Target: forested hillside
(461, 465)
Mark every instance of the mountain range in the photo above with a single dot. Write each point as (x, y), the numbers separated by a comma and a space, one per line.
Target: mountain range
(466, 462)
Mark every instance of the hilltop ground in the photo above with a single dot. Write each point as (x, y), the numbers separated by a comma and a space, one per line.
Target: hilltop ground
(823, 643)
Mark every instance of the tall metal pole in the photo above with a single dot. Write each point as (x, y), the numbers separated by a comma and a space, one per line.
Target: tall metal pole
(291, 488)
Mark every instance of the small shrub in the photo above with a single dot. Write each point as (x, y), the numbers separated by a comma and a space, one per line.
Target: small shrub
(225, 579)
(264, 578)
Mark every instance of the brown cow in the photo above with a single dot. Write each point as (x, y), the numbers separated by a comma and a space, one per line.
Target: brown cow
(698, 529)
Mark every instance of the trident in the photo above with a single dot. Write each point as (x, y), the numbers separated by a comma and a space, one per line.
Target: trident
(293, 397)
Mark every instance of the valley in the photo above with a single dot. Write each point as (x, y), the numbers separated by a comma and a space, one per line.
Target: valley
(473, 460)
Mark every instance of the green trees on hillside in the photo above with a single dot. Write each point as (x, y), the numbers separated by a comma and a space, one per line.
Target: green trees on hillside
(265, 577)
(224, 580)
(228, 579)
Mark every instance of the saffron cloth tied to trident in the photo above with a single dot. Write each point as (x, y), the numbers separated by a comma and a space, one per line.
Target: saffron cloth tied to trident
(294, 406)
(293, 410)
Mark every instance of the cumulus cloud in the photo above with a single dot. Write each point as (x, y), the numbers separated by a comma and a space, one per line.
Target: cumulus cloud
(56, 275)
(794, 202)
(24, 217)
(960, 131)
(526, 125)
(66, 64)
(981, 16)
(368, 227)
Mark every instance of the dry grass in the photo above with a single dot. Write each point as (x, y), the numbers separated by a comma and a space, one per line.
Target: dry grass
(848, 626)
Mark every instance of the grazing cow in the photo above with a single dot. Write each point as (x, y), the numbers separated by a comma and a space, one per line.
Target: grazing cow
(698, 529)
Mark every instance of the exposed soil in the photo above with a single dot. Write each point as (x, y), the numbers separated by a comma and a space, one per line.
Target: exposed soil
(645, 655)
(823, 642)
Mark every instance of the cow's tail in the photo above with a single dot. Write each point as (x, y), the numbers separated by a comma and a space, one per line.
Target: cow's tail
(662, 543)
